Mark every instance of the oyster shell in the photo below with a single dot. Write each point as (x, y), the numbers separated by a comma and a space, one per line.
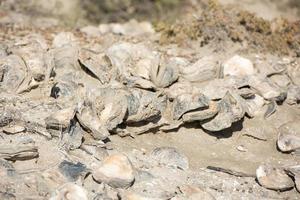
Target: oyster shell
(144, 105)
(132, 61)
(204, 69)
(188, 102)
(231, 109)
(201, 115)
(289, 136)
(89, 120)
(164, 74)
(13, 70)
(293, 95)
(264, 87)
(273, 178)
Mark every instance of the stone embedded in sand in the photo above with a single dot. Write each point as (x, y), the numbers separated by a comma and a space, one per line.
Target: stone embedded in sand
(273, 178)
(289, 136)
(171, 157)
(294, 171)
(116, 171)
(238, 66)
(193, 193)
(70, 191)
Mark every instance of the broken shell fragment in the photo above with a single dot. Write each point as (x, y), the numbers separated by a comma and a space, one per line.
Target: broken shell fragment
(273, 178)
(70, 191)
(116, 171)
(289, 136)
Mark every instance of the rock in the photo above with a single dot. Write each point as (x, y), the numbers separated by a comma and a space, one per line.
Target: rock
(238, 66)
(294, 171)
(13, 129)
(170, 156)
(289, 136)
(193, 193)
(273, 178)
(116, 171)
(70, 191)
(71, 170)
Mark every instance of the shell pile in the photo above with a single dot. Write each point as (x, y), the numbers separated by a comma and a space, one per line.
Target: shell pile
(81, 93)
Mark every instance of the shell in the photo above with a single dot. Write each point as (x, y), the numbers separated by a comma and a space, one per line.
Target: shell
(273, 178)
(89, 120)
(203, 70)
(188, 102)
(264, 87)
(13, 71)
(201, 115)
(289, 136)
(144, 105)
(293, 95)
(164, 74)
(231, 109)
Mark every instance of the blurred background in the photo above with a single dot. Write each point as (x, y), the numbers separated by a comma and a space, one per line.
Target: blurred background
(82, 12)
